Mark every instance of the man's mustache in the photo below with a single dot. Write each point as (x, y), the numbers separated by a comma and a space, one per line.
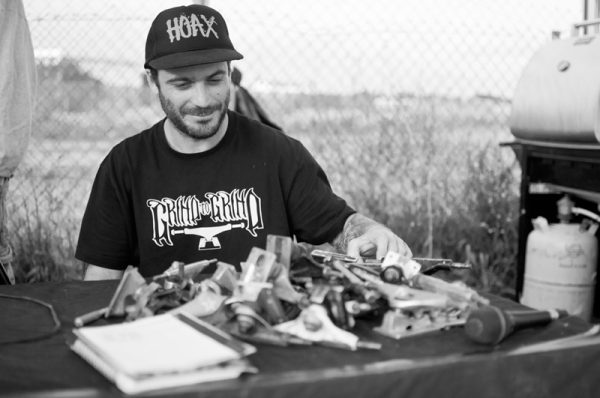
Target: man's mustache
(202, 111)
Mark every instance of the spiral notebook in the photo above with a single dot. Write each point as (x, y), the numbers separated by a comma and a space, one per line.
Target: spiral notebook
(164, 351)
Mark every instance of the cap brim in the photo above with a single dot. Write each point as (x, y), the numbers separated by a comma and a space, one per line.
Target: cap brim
(190, 58)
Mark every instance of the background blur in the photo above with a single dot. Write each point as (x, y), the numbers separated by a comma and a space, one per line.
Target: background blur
(403, 102)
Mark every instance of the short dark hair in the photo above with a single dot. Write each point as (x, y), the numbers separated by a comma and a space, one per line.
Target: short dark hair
(154, 75)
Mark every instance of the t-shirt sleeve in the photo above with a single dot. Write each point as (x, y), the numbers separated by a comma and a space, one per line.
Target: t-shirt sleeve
(106, 234)
(317, 214)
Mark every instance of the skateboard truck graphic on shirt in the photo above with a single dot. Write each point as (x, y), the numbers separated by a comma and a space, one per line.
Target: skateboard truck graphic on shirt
(208, 235)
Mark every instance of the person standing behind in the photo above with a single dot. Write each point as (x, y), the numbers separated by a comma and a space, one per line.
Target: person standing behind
(244, 103)
(18, 82)
(206, 182)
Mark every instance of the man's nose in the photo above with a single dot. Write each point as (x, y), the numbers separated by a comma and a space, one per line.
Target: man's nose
(200, 95)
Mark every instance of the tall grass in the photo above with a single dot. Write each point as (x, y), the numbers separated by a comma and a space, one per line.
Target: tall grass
(43, 237)
(429, 168)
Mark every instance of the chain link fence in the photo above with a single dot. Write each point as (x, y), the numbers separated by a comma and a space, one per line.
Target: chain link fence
(403, 102)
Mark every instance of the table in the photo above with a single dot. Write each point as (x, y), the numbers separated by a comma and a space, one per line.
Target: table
(441, 363)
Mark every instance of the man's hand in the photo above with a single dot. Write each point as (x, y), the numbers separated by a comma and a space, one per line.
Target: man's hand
(363, 237)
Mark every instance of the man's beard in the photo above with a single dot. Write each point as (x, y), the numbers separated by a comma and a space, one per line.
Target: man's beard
(201, 131)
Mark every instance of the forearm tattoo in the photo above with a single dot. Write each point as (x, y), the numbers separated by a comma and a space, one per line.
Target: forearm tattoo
(355, 226)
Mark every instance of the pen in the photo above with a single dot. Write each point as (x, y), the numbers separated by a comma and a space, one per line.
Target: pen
(89, 317)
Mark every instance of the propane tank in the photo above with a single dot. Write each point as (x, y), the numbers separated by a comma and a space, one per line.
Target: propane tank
(560, 262)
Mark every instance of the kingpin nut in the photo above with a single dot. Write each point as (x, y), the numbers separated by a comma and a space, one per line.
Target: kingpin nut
(392, 274)
(311, 322)
(246, 324)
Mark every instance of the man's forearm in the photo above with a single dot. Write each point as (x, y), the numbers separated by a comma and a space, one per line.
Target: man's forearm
(95, 273)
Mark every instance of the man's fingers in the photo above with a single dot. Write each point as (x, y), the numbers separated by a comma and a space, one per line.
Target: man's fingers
(367, 249)
(353, 248)
(407, 252)
(360, 246)
(378, 245)
(402, 248)
(383, 246)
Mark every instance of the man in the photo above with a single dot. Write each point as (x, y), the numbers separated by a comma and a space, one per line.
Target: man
(206, 182)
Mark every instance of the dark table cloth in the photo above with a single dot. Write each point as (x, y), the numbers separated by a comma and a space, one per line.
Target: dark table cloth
(441, 363)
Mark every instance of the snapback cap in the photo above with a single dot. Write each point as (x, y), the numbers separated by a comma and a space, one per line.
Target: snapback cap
(188, 35)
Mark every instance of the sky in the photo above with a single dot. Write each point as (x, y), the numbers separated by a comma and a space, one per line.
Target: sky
(450, 47)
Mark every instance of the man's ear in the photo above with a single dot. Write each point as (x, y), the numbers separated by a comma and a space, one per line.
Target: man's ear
(152, 83)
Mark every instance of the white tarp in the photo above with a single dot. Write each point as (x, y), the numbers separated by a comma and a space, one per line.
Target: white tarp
(17, 85)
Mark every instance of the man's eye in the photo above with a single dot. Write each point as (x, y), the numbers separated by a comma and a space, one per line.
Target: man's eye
(180, 84)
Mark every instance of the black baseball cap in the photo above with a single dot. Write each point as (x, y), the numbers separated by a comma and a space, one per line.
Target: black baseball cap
(188, 35)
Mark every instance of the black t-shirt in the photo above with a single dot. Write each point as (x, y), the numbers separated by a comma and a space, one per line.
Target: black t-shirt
(151, 205)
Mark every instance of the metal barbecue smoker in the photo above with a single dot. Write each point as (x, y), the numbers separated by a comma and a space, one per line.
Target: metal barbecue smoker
(555, 120)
